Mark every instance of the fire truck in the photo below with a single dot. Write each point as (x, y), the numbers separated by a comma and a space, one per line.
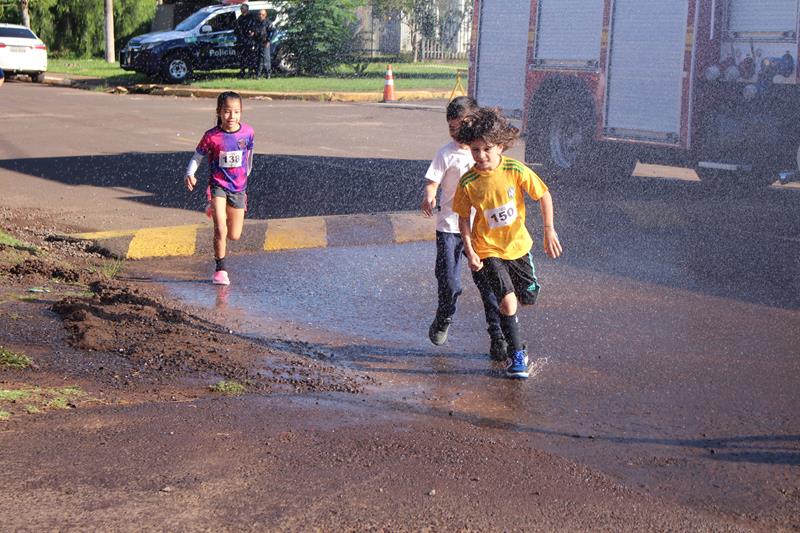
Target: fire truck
(600, 84)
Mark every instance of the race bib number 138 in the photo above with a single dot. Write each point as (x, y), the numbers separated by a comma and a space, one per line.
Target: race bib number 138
(501, 216)
(230, 159)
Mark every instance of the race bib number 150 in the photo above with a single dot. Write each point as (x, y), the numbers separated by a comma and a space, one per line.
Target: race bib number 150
(230, 159)
(501, 216)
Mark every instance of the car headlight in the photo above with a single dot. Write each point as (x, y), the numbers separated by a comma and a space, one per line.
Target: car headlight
(148, 46)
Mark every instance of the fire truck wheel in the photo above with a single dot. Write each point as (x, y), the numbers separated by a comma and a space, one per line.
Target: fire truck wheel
(565, 139)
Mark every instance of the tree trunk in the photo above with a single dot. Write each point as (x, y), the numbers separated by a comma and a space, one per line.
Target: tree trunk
(23, 9)
(109, 31)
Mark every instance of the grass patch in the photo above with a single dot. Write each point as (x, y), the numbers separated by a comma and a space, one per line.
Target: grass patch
(12, 395)
(111, 269)
(13, 242)
(228, 387)
(38, 400)
(346, 78)
(4, 415)
(13, 360)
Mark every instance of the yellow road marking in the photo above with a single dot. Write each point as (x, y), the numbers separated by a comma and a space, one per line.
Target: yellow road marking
(99, 235)
(663, 171)
(410, 227)
(289, 233)
(162, 242)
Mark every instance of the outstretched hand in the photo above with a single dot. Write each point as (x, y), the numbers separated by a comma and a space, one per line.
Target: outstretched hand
(190, 181)
(552, 246)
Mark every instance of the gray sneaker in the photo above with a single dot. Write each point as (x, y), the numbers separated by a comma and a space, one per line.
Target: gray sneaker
(437, 333)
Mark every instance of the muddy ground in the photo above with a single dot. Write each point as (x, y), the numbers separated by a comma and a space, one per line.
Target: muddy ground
(119, 426)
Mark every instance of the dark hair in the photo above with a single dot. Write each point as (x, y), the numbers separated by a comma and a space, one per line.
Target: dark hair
(222, 98)
(461, 106)
(490, 125)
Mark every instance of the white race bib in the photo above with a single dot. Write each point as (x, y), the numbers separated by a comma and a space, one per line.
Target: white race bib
(501, 216)
(230, 159)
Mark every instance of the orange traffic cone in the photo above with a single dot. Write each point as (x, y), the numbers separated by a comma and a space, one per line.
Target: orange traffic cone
(388, 86)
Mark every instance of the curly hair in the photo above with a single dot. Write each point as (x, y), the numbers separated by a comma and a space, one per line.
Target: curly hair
(490, 125)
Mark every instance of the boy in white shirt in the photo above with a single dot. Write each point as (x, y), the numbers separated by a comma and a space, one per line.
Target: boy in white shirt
(450, 163)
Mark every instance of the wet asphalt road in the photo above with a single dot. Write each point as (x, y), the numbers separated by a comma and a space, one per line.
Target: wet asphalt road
(666, 337)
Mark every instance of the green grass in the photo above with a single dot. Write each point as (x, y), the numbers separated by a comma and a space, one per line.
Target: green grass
(228, 387)
(12, 395)
(408, 76)
(13, 242)
(13, 360)
(37, 399)
(112, 268)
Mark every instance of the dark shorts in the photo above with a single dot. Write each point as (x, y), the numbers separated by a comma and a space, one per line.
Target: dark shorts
(506, 276)
(236, 200)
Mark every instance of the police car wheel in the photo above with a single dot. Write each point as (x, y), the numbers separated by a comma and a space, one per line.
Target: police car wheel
(176, 69)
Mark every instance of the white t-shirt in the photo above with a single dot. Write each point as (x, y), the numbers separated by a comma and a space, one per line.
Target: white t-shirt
(446, 169)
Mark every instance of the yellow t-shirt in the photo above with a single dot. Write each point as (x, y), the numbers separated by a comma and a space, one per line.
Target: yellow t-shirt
(498, 229)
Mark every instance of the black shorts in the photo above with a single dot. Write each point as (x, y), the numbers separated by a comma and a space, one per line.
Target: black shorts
(505, 276)
(236, 200)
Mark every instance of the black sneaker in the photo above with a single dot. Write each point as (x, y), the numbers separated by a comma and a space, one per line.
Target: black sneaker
(498, 351)
(437, 333)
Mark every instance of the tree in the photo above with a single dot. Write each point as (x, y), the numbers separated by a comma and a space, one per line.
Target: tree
(76, 27)
(418, 15)
(320, 34)
(23, 11)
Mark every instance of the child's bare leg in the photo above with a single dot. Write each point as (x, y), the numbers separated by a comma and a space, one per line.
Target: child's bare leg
(219, 215)
(508, 305)
(235, 222)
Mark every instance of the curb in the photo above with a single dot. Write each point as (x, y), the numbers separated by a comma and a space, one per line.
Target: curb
(266, 235)
(188, 91)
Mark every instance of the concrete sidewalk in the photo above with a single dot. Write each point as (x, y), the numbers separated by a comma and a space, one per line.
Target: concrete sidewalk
(267, 235)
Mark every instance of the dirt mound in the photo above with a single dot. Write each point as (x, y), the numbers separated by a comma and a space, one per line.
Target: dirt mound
(38, 270)
(162, 343)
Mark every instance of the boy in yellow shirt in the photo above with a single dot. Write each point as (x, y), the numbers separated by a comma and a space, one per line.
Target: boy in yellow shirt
(496, 243)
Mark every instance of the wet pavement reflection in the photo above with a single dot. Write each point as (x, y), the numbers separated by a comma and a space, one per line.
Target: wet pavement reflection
(665, 340)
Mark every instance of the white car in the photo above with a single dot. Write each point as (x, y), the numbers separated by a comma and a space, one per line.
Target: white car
(22, 52)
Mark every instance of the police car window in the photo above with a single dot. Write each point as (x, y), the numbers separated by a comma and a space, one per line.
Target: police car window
(223, 22)
(192, 21)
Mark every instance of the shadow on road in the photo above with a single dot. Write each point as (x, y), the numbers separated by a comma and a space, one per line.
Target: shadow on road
(737, 244)
(280, 185)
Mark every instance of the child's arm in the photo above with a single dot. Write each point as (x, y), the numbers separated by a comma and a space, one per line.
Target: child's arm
(552, 246)
(194, 163)
(464, 228)
(429, 199)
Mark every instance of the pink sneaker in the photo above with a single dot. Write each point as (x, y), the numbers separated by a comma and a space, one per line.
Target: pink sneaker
(220, 278)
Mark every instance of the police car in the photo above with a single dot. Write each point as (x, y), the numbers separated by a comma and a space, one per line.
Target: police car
(203, 41)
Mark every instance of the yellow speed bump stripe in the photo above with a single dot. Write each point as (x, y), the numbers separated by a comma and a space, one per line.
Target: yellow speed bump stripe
(290, 233)
(163, 242)
(409, 227)
(100, 235)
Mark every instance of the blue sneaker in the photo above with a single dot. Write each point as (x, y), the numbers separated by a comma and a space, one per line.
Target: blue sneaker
(518, 367)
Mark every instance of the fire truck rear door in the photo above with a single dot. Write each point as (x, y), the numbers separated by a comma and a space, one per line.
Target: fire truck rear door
(644, 97)
(502, 51)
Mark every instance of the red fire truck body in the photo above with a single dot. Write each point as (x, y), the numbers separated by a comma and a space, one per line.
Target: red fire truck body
(599, 84)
